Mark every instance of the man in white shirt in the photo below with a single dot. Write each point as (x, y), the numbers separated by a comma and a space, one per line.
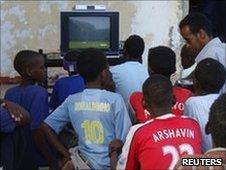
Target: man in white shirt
(130, 75)
(196, 30)
(209, 77)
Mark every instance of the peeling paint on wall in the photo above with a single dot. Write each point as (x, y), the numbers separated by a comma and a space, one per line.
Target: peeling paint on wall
(157, 22)
(42, 33)
(46, 6)
(35, 24)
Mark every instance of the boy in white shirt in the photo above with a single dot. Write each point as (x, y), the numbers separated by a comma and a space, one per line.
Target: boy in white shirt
(209, 77)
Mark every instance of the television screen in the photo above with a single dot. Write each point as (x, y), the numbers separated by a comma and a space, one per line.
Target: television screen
(90, 29)
(86, 32)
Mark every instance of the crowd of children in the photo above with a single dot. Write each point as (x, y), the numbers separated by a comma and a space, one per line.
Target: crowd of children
(124, 117)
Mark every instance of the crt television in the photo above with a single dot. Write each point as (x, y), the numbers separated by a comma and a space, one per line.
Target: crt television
(90, 29)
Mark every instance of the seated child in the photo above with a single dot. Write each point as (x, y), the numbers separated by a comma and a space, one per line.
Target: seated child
(161, 60)
(13, 154)
(34, 98)
(67, 85)
(63, 87)
(209, 78)
(161, 141)
(97, 116)
(131, 74)
(216, 126)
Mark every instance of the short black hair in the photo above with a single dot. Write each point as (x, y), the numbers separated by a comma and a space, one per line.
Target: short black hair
(23, 59)
(91, 62)
(72, 55)
(134, 46)
(162, 60)
(158, 91)
(197, 21)
(217, 121)
(210, 75)
(188, 54)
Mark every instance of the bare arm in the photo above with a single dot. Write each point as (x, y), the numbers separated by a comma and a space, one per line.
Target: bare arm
(113, 160)
(54, 141)
(42, 145)
(115, 148)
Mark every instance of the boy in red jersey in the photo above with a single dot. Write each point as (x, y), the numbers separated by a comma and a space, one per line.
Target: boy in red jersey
(160, 142)
(161, 60)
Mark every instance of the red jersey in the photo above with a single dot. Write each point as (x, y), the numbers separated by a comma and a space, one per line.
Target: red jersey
(159, 143)
(180, 93)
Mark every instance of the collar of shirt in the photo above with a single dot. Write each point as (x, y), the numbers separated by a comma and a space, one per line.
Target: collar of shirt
(165, 116)
(210, 44)
(132, 59)
(92, 90)
(219, 149)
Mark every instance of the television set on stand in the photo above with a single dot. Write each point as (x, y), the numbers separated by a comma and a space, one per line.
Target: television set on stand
(90, 29)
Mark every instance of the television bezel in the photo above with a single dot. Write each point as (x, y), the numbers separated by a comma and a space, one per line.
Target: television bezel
(114, 28)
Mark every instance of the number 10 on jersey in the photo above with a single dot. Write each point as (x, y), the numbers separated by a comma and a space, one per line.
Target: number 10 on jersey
(94, 131)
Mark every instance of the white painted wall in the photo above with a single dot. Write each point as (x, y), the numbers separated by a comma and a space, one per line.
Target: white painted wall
(35, 25)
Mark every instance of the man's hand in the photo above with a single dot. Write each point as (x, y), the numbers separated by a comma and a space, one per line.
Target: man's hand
(115, 149)
(68, 166)
(65, 163)
(115, 146)
(19, 114)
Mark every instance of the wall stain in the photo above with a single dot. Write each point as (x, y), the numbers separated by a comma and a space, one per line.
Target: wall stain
(35, 25)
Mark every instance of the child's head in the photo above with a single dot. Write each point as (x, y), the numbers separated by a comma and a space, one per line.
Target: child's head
(134, 47)
(30, 65)
(216, 125)
(158, 94)
(209, 76)
(188, 56)
(92, 65)
(161, 60)
(70, 62)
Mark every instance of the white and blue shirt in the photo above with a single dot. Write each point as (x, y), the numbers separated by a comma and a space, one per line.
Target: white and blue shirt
(98, 117)
(129, 77)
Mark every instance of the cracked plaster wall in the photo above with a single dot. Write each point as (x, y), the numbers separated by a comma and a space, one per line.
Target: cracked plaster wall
(36, 25)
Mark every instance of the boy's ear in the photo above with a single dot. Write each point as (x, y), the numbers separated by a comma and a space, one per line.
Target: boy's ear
(28, 71)
(125, 53)
(143, 103)
(147, 110)
(201, 34)
(208, 128)
(104, 74)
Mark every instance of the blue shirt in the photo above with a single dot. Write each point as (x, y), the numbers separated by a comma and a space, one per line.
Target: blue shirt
(129, 77)
(7, 124)
(63, 88)
(98, 117)
(34, 99)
